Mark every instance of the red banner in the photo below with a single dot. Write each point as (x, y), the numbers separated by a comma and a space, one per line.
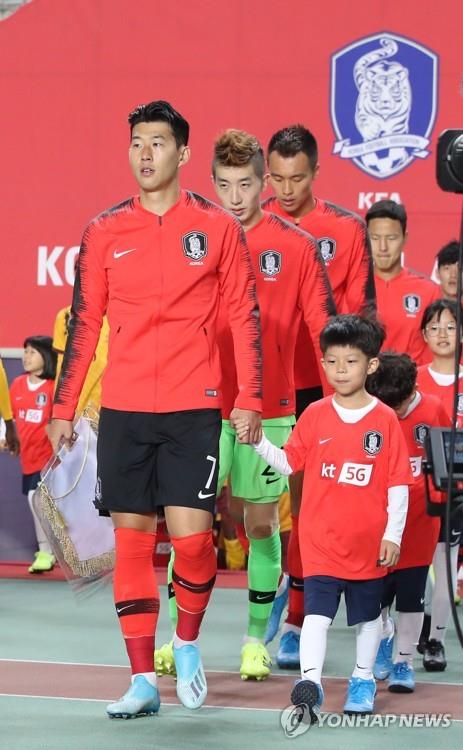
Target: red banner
(376, 90)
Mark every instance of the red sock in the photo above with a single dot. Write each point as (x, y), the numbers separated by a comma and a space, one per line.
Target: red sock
(295, 614)
(136, 595)
(193, 576)
(241, 535)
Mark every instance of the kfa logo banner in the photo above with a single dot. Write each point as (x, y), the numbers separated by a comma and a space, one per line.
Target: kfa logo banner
(383, 102)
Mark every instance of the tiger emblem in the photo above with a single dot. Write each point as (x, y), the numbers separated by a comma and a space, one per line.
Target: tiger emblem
(381, 121)
(384, 102)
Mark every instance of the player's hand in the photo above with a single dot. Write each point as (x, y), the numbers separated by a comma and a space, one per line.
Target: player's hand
(389, 554)
(252, 419)
(242, 430)
(12, 442)
(60, 430)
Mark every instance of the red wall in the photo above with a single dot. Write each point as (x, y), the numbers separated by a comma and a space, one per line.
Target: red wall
(71, 71)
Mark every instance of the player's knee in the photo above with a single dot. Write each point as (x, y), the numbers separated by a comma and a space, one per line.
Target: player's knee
(193, 547)
(262, 529)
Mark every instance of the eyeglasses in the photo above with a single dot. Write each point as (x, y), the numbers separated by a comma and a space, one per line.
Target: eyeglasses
(434, 329)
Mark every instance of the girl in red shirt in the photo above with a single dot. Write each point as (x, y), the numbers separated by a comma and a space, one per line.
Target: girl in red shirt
(439, 329)
(31, 401)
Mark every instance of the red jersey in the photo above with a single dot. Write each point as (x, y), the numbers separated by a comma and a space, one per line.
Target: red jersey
(421, 531)
(159, 279)
(345, 248)
(291, 279)
(427, 384)
(32, 412)
(401, 303)
(348, 469)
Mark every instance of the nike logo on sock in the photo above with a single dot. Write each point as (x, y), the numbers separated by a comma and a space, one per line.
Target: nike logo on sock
(308, 670)
(265, 598)
(121, 609)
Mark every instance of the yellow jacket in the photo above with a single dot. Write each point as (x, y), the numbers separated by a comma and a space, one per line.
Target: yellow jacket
(91, 391)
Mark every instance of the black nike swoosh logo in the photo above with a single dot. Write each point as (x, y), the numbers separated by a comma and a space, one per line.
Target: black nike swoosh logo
(308, 670)
(271, 481)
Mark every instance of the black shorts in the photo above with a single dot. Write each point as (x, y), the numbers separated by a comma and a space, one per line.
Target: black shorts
(407, 586)
(363, 598)
(149, 460)
(306, 396)
(30, 482)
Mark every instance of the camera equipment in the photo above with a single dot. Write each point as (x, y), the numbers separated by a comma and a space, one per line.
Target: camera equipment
(445, 447)
(449, 165)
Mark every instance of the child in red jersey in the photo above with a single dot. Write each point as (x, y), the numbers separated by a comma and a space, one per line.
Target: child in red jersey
(31, 402)
(439, 329)
(354, 506)
(394, 382)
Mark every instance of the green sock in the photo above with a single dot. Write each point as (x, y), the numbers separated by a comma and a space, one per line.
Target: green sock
(171, 592)
(264, 568)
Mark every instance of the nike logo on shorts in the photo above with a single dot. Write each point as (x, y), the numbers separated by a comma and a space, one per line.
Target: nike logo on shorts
(120, 253)
(204, 495)
(325, 440)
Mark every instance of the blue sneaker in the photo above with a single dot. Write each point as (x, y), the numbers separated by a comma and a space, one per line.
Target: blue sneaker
(383, 663)
(360, 696)
(309, 695)
(191, 680)
(402, 679)
(279, 603)
(288, 653)
(141, 699)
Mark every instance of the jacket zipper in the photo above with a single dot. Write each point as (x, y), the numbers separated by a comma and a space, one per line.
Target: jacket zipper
(157, 323)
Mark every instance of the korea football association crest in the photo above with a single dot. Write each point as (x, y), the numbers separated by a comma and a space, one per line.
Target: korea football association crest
(41, 399)
(372, 442)
(460, 403)
(412, 303)
(419, 433)
(270, 263)
(383, 102)
(195, 247)
(327, 248)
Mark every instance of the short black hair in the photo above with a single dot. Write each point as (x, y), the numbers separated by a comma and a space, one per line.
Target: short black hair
(44, 346)
(293, 140)
(437, 308)
(448, 254)
(161, 111)
(388, 210)
(353, 330)
(394, 380)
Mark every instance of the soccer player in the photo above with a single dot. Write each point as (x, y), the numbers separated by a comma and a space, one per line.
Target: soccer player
(394, 382)
(158, 263)
(354, 506)
(447, 269)
(439, 328)
(343, 240)
(291, 280)
(402, 294)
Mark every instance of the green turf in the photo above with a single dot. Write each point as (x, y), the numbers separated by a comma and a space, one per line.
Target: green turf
(42, 620)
